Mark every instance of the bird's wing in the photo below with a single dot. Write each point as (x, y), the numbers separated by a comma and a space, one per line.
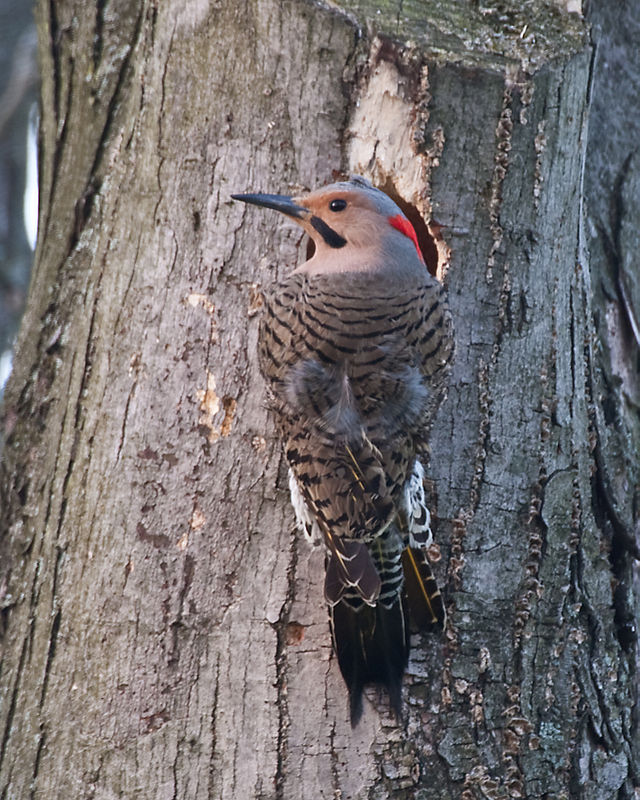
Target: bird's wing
(343, 485)
(431, 333)
(348, 390)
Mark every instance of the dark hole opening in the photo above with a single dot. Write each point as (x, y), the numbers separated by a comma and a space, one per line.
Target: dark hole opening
(426, 241)
(311, 247)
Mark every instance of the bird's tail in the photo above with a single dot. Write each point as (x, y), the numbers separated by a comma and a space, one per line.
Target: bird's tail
(372, 640)
(372, 645)
(426, 607)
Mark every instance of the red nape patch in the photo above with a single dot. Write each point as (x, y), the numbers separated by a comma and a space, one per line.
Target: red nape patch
(404, 226)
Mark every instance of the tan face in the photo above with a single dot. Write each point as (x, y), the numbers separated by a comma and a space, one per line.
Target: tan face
(341, 218)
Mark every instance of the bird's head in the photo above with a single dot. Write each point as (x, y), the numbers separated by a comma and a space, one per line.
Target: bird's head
(353, 225)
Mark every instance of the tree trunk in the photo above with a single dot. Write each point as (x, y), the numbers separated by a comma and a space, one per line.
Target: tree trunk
(165, 634)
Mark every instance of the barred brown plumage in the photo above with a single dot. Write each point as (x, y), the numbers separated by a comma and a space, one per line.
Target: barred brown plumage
(355, 346)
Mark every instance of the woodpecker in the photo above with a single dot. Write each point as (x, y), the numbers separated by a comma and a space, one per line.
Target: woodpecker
(355, 346)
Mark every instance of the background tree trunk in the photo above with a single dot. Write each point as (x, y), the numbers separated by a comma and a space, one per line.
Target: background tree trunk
(164, 630)
(18, 97)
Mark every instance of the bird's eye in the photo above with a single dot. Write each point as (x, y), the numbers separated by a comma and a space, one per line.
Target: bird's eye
(338, 204)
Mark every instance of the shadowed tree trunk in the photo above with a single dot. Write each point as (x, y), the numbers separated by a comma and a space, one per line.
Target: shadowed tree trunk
(164, 630)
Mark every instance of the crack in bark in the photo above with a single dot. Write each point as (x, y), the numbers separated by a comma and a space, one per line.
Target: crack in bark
(501, 164)
(13, 700)
(54, 32)
(53, 640)
(119, 91)
(54, 52)
(36, 764)
(98, 41)
(78, 426)
(187, 580)
(161, 157)
(212, 789)
(58, 148)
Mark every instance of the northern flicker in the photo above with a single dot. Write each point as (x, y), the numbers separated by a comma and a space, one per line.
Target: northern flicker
(355, 346)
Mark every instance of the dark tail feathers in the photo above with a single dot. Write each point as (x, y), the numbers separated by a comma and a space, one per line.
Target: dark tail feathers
(372, 642)
(372, 645)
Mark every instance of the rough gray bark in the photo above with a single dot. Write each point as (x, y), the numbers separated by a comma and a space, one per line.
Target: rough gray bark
(164, 630)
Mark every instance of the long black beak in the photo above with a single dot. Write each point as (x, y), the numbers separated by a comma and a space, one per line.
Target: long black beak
(280, 202)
